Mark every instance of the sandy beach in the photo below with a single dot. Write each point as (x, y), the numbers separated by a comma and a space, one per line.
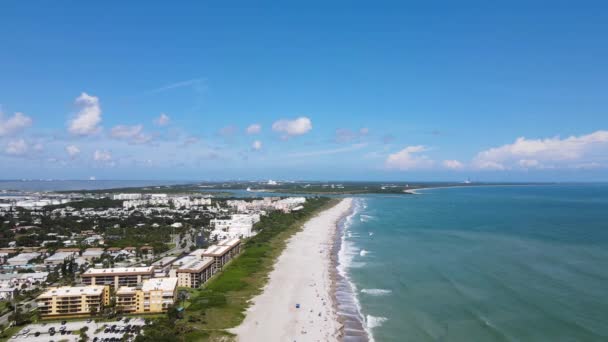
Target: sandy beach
(301, 276)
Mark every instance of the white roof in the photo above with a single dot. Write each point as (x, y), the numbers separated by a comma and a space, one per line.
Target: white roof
(163, 284)
(197, 252)
(197, 265)
(116, 270)
(229, 242)
(25, 256)
(215, 250)
(92, 290)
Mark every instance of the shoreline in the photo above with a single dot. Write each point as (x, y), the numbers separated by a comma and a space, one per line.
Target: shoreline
(298, 302)
(343, 294)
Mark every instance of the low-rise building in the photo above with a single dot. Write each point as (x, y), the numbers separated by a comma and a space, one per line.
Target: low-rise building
(67, 301)
(58, 258)
(22, 259)
(117, 277)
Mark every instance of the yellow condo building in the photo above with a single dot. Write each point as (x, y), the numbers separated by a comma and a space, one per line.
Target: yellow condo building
(66, 301)
(154, 296)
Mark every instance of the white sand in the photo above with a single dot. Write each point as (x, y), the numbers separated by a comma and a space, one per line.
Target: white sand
(301, 276)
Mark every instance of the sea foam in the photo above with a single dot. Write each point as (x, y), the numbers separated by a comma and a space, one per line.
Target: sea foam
(375, 322)
(376, 292)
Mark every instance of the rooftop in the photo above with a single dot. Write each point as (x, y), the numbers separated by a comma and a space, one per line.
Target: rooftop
(229, 242)
(196, 265)
(118, 270)
(92, 290)
(215, 250)
(163, 284)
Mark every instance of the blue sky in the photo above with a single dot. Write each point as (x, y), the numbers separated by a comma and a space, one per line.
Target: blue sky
(425, 90)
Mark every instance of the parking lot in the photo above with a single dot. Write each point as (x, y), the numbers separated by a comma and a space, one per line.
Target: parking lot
(70, 331)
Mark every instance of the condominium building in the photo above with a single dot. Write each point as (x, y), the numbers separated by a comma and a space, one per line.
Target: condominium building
(223, 252)
(196, 272)
(153, 296)
(117, 277)
(72, 301)
(234, 244)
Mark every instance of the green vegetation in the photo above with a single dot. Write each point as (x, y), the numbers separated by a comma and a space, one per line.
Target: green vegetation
(8, 333)
(100, 203)
(221, 304)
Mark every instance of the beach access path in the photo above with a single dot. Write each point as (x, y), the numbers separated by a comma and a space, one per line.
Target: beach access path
(301, 277)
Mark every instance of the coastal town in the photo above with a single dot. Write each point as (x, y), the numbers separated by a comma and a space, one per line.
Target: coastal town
(73, 263)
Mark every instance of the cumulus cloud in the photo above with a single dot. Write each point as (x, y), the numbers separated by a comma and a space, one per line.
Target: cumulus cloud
(546, 153)
(453, 164)
(102, 156)
(125, 132)
(134, 134)
(72, 150)
(162, 120)
(87, 120)
(256, 145)
(14, 124)
(16, 147)
(295, 127)
(409, 159)
(254, 129)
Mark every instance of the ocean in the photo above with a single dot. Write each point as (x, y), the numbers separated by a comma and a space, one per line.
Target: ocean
(518, 263)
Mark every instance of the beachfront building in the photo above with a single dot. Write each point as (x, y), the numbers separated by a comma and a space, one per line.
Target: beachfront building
(222, 252)
(234, 244)
(195, 273)
(69, 301)
(117, 277)
(153, 296)
(237, 226)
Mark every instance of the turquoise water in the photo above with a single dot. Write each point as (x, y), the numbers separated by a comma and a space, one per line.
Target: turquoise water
(483, 264)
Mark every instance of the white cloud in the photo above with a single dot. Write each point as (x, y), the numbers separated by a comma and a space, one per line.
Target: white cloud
(529, 163)
(546, 153)
(134, 134)
(102, 156)
(409, 159)
(88, 118)
(197, 82)
(328, 151)
(16, 147)
(295, 127)
(254, 129)
(257, 145)
(453, 164)
(364, 131)
(14, 124)
(162, 120)
(125, 132)
(72, 150)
